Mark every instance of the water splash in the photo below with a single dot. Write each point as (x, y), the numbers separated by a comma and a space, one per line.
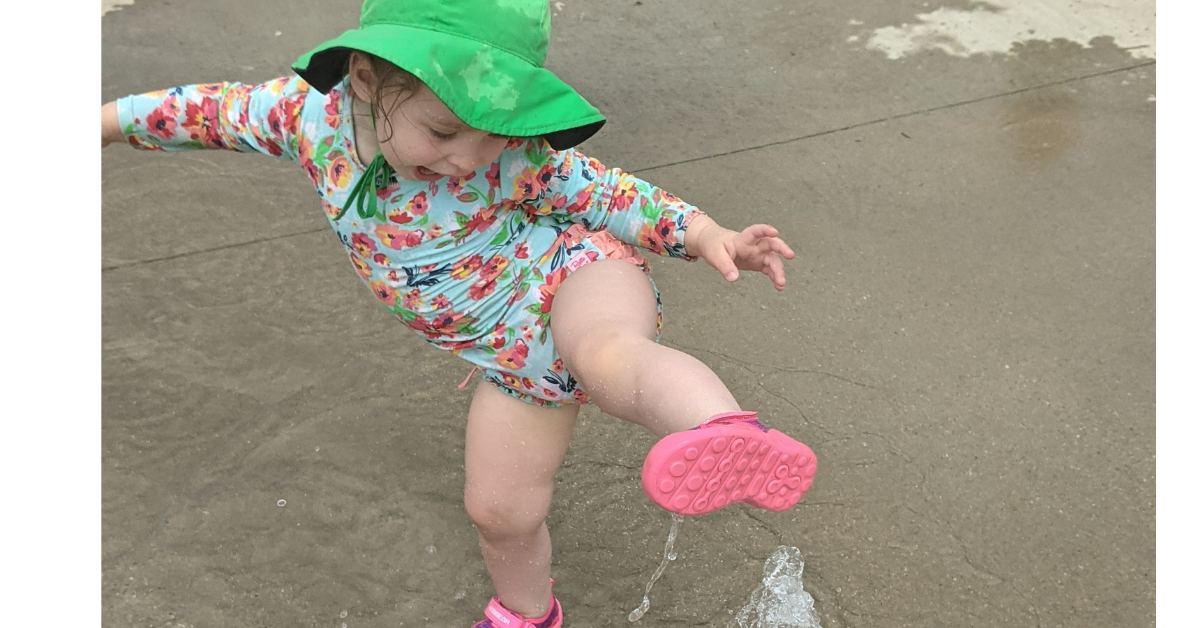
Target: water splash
(668, 556)
(780, 601)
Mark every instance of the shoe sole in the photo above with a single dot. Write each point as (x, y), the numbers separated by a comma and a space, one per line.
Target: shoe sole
(698, 471)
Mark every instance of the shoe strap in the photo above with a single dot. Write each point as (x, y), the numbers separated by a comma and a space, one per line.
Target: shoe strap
(740, 416)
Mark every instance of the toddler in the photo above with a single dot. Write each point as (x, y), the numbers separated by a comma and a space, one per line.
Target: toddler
(443, 155)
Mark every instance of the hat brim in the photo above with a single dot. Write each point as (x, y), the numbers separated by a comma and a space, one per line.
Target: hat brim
(486, 87)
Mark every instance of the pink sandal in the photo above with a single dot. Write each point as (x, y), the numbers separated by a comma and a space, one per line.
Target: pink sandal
(729, 458)
(496, 616)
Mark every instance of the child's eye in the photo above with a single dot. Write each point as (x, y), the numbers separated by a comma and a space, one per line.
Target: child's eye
(440, 135)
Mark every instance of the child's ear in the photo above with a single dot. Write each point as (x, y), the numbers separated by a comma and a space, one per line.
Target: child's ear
(362, 75)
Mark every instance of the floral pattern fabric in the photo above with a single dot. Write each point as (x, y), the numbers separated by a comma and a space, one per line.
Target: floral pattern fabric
(471, 263)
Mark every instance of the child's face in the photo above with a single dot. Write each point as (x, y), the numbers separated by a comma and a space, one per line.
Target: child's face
(423, 140)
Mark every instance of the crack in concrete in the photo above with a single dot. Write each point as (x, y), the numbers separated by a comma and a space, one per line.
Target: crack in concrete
(105, 269)
(746, 364)
(899, 116)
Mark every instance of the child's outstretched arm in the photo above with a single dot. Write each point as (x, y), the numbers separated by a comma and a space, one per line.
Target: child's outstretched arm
(247, 118)
(575, 188)
(755, 248)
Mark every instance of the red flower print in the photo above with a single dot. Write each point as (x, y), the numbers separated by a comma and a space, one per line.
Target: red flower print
(412, 299)
(658, 238)
(363, 244)
(161, 121)
(363, 269)
(330, 209)
(417, 205)
(481, 289)
(526, 332)
(200, 122)
(393, 274)
(549, 288)
(381, 260)
(522, 251)
(464, 268)
(514, 358)
(384, 293)
(210, 89)
(493, 176)
(445, 324)
(595, 166)
(557, 367)
(624, 194)
(435, 231)
(497, 342)
(528, 384)
(478, 222)
(441, 302)
(399, 217)
(582, 200)
(510, 380)
(492, 269)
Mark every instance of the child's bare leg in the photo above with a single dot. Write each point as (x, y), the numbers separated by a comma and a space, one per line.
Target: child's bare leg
(604, 323)
(513, 450)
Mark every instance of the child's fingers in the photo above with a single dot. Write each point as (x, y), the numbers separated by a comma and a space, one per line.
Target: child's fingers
(773, 268)
(722, 260)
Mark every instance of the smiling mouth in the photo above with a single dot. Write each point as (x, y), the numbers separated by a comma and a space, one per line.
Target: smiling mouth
(425, 174)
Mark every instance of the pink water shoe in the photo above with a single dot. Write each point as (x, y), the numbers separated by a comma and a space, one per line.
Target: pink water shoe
(496, 616)
(729, 458)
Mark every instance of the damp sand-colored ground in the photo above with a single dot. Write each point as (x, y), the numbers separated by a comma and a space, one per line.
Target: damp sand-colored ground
(966, 340)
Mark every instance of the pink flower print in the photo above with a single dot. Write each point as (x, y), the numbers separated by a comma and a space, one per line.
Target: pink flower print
(417, 205)
(384, 293)
(526, 186)
(161, 121)
(332, 109)
(624, 194)
(338, 171)
(454, 185)
(528, 384)
(397, 239)
(436, 231)
(510, 380)
(522, 251)
(330, 209)
(595, 166)
(441, 302)
(513, 358)
(526, 332)
(382, 260)
(558, 366)
(362, 244)
(493, 176)
(363, 269)
(210, 89)
(393, 274)
(445, 324)
(464, 268)
(412, 299)
(579, 396)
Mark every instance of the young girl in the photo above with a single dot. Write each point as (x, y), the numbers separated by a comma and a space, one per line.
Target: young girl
(442, 153)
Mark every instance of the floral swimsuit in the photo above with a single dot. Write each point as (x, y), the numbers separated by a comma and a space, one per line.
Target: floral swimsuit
(471, 263)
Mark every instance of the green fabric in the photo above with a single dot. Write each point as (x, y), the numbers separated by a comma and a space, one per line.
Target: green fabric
(483, 58)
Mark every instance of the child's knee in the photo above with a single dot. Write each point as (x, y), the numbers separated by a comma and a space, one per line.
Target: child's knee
(498, 515)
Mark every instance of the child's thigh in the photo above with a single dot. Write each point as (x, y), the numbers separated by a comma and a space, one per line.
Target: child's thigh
(604, 297)
(513, 450)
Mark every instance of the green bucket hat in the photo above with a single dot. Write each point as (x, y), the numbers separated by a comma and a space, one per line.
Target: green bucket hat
(483, 58)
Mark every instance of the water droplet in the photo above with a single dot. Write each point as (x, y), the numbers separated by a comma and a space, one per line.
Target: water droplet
(281, 503)
(431, 549)
(317, 449)
(458, 595)
(343, 614)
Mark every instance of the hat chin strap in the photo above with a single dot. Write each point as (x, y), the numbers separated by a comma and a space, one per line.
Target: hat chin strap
(365, 193)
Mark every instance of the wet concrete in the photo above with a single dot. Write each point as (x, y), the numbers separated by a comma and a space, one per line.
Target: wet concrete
(967, 339)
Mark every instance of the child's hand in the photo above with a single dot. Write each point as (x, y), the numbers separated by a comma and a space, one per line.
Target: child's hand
(756, 248)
